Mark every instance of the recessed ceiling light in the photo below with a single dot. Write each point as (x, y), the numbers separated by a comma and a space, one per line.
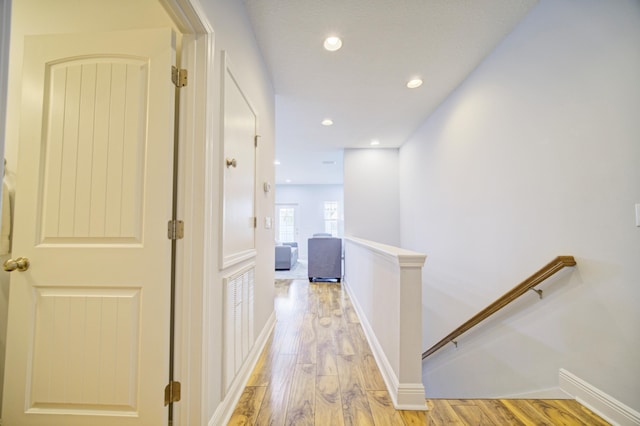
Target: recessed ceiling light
(276, 163)
(327, 122)
(416, 82)
(375, 142)
(288, 181)
(329, 162)
(332, 43)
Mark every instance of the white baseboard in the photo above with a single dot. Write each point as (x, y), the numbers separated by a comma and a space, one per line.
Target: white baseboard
(405, 396)
(411, 396)
(551, 393)
(607, 407)
(223, 413)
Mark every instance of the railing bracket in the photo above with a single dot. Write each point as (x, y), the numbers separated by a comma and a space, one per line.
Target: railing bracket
(455, 343)
(537, 291)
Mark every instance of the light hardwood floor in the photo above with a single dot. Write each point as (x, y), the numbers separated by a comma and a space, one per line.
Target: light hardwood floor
(317, 369)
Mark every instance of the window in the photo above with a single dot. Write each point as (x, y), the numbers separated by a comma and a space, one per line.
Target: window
(286, 224)
(331, 217)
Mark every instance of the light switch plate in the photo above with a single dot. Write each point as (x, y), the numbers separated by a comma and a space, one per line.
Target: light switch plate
(268, 223)
(637, 214)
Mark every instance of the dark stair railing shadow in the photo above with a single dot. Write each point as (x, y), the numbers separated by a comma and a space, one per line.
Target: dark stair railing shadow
(545, 272)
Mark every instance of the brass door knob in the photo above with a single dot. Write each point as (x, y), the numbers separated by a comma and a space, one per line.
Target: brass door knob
(21, 264)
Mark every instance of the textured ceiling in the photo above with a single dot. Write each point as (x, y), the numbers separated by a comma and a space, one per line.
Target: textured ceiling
(362, 87)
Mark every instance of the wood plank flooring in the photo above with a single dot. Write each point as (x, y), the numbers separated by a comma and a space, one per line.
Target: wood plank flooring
(317, 369)
(528, 412)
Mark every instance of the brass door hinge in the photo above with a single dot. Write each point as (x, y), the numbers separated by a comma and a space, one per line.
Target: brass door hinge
(175, 230)
(171, 393)
(255, 221)
(255, 140)
(179, 76)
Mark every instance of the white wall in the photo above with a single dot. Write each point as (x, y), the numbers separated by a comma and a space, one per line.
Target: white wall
(371, 195)
(234, 35)
(309, 200)
(534, 156)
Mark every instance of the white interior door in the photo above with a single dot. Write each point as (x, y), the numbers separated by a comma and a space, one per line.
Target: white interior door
(239, 133)
(88, 329)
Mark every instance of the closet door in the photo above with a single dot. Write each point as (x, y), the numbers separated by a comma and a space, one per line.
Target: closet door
(239, 176)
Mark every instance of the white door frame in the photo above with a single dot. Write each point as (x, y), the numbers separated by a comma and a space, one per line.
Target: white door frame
(196, 189)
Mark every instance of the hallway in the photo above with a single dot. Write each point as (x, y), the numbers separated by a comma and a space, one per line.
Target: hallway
(317, 367)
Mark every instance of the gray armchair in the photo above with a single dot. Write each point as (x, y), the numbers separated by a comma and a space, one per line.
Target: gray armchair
(325, 258)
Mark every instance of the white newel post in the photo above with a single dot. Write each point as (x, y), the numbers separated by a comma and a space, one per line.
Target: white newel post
(385, 286)
(411, 390)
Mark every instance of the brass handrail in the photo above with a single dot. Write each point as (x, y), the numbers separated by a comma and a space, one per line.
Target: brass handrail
(548, 270)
